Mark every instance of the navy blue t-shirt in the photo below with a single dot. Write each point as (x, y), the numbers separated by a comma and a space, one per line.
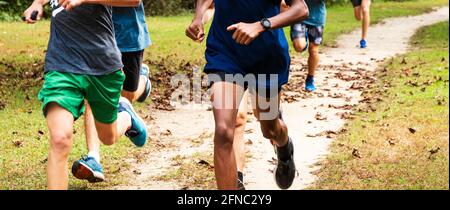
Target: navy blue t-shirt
(267, 54)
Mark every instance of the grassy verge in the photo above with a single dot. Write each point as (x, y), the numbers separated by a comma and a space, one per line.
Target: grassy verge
(194, 172)
(404, 143)
(24, 134)
(341, 19)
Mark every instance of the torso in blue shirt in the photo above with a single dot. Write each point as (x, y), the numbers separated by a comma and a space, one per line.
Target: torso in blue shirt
(267, 54)
(130, 28)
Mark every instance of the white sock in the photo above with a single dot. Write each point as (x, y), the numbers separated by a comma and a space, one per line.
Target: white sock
(95, 155)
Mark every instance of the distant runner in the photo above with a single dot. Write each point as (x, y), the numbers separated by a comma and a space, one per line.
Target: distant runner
(308, 35)
(362, 13)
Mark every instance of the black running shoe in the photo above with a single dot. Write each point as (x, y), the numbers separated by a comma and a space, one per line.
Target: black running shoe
(285, 169)
(240, 181)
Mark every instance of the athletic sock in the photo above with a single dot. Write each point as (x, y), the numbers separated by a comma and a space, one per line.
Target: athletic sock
(95, 155)
(310, 77)
(284, 152)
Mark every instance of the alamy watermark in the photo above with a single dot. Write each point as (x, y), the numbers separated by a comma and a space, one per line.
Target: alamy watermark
(225, 91)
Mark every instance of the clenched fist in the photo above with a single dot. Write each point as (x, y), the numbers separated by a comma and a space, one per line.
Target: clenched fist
(27, 15)
(196, 31)
(245, 33)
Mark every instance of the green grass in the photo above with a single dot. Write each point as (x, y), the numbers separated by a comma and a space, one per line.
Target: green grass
(192, 172)
(23, 167)
(22, 50)
(27, 43)
(341, 18)
(406, 161)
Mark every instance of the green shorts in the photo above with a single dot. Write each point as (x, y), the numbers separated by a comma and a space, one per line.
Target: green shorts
(70, 90)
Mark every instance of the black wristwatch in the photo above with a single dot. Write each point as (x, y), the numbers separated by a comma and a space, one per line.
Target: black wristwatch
(266, 24)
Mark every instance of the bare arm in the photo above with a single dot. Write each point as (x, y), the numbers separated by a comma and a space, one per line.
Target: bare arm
(195, 31)
(208, 15)
(245, 33)
(70, 4)
(297, 11)
(201, 7)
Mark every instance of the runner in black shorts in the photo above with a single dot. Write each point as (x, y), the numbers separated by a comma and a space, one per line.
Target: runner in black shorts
(134, 69)
(362, 13)
(246, 39)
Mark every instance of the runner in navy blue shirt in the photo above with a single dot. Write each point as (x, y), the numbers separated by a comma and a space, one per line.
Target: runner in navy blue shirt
(246, 40)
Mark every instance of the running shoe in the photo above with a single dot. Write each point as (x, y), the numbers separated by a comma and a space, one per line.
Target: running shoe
(240, 181)
(309, 84)
(363, 43)
(145, 70)
(138, 131)
(87, 168)
(285, 168)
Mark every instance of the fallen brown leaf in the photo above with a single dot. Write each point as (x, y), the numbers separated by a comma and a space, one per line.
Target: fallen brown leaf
(206, 163)
(355, 153)
(18, 143)
(320, 117)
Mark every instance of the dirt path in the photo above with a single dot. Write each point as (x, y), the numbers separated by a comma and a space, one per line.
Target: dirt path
(313, 119)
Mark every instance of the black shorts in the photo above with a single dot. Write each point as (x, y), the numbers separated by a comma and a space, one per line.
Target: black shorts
(356, 3)
(132, 62)
(221, 76)
(314, 33)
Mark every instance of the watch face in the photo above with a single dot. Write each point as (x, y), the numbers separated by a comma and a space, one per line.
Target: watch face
(266, 23)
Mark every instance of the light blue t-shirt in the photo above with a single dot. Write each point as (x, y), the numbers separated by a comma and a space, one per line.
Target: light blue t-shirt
(317, 12)
(130, 28)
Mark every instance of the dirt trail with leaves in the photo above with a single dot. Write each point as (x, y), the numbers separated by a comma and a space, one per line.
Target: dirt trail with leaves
(313, 119)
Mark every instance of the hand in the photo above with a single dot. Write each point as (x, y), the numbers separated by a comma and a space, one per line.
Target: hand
(196, 31)
(245, 33)
(34, 7)
(70, 4)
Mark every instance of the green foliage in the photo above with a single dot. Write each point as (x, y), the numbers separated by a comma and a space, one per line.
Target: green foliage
(12, 9)
(164, 7)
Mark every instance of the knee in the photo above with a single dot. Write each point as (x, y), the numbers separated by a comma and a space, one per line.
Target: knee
(366, 11)
(298, 46)
(226, 135)
(358, 15)
(61, 142)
